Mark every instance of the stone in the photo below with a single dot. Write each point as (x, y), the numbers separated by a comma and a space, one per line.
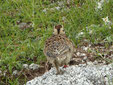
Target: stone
(77, 75)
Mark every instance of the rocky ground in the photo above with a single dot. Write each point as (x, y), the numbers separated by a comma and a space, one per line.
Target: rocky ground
(90, 65)
(77, 75)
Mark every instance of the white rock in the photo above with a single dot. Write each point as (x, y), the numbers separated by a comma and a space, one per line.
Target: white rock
(58, 8)
(90, 31)
(95, 62)
(44, 10)
(89, 45)
(85, 48)
(78, 53)
(99, 5)
(25, 66)
(83, 54)
(85, 58)
(77, 75)
(4, 74)
(90, 63)
(33, 66)
(80, 34)
(0, 72)
(15, 72)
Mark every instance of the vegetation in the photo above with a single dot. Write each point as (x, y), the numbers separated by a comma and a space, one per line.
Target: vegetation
(20, 44)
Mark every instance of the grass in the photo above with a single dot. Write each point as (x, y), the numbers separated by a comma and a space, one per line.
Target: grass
(19, 46)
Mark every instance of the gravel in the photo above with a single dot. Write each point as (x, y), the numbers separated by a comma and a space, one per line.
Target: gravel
(77, 75)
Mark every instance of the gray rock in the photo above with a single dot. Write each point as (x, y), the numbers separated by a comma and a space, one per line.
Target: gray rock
(77, 75)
